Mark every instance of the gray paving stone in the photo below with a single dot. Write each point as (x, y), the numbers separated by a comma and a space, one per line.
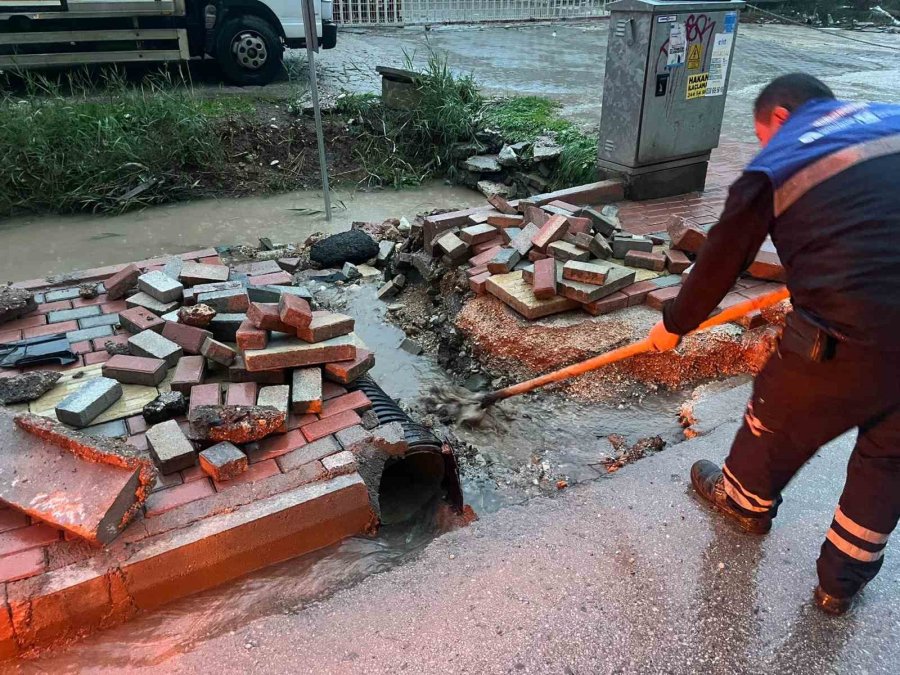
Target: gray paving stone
(173, 267)
(276, 396)
(306, 390)
(274, 293)
(223, 461)
(152, 344)
(160, 286)
(83, 405)
(89, 333)
(150, 303)
(112, 429)
(224, 327)
(72, 314)
(170, 448)
(61, 294)
(100, 320)
(229, 301)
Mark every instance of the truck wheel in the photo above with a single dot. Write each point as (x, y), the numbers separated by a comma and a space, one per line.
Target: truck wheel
(249, 51)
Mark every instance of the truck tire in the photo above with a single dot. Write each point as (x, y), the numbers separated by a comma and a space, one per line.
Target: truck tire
(249, 51)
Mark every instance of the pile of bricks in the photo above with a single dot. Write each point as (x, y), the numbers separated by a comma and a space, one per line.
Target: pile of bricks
(567, 251)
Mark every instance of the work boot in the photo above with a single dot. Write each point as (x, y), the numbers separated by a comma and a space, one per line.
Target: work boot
(831, 604)
(709, 483)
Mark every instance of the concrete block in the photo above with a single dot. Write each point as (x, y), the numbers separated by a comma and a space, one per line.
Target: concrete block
(138, 319)
(189, 338)
(385, 251)
(623, 243)
(189, 372)
(646, 260)
(504, 261)
(218, 352)
(345, 372)
(587, 273)
(294, 311)
(160, 286)
(224, 327)
(135, 370)
(170, 448)
(150, 303)
(341, 463)
(193, 273)
(82, 406)
(226, 302)
(306, 390)
(545, 278)
(154, 345)
(562, 250)
(223, 461)
(389, 290)
(122, 281)
(173, 267)
(553, 230)
(325, 326)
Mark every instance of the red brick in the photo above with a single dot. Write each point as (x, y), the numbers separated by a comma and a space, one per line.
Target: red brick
(136, 424)
(345, 372)
(139, 441)
(22, 565)
(275, 279)
(484, 258)
(676, 261)
(138, 319)
(178, 495)
(545, 278)
(87, 302)
(254, 473)
(189, 338)
(553, 230)
(475, 271)
(189, 372)
(761, 289)
(326, 325)
(505, 220)
(205, 394)
(330, 425)
(355, 400)
(99, 344)
(210, 260)
(10, 335)
(81, 347)
(10, 519)
(606, 305)
(660, 297)
(93, 358)
(295, 421)
(685, 235)
(637, 293)
(25, 538)
(487, 245)
(193, 473)
(135, 370)
(113, 307)
(29, 321)
(53, 306)
(294, 311)
(275, 446)
(534, 255)
(265, 315)
(477, 283)
(50, 329)
(122, 281)
(241, 393)
(766, 265)
(251, 337)
(646, 260)
(577, 225)
(332, 389)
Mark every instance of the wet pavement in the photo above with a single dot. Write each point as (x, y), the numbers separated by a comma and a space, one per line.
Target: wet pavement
(628, 574)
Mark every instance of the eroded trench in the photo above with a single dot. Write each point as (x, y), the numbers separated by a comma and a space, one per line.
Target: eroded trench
(538, 445)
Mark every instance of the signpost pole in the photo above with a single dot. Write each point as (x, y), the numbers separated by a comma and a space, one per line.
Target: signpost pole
(312, 46)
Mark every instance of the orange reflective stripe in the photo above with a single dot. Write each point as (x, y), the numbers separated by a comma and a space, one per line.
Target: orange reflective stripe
(730, 477)
(858, 530)
(852, 550)
(829, 166)
(740, 499)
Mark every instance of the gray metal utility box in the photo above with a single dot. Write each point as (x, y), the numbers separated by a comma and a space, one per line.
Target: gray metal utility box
(667, 69)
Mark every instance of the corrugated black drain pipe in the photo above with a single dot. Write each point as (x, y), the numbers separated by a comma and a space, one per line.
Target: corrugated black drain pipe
(428, 470)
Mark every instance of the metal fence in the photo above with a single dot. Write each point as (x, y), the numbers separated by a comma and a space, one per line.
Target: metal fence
(411, 12)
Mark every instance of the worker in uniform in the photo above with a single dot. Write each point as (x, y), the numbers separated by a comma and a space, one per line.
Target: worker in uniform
(825, 188)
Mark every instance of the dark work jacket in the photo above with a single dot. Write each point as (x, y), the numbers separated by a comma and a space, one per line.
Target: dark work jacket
(839, 243)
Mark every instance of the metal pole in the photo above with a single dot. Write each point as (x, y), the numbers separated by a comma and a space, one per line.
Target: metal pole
(312, 46)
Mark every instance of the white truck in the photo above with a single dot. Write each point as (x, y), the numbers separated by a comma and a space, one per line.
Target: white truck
(247, 38)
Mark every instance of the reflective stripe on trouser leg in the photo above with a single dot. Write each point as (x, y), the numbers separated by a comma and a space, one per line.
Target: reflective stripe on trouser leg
(743, 497)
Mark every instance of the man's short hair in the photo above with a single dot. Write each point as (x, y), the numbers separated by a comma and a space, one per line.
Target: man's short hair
(790, 91)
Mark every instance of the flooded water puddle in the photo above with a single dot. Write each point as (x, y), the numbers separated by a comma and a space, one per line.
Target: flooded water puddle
(544, 439)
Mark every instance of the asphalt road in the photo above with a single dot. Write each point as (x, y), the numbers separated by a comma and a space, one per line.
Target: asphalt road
(624, 575)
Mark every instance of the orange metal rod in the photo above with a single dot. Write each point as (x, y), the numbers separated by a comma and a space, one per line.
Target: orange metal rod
(640, 347)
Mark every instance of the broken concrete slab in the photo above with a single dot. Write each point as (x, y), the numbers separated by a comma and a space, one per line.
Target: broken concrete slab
(390, 438)
(86, 403)
(166, 406)
(160, 286)
(306, 390)
(223, 461)
(170, 448)
(90, 487)
(237, 424)
(482, 164)
(135, 370)
(411, 346)
(26, 386)
(153, 345)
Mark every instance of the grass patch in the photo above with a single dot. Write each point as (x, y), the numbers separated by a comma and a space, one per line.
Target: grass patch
(93, 148)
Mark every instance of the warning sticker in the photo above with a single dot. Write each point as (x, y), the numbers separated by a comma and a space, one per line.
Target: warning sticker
(695, 57)
(696, 85)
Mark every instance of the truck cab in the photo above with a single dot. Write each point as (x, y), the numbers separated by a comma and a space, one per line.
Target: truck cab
(247, 38)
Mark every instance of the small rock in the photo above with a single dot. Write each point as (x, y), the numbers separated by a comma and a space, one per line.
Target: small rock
(164, 407)
(507, 156)
(489, 188)
(369, 420)
(113, 348)
(350, 271)
(482, 164)
(14, 302)
(88, 290)
(199, 315)
(403, 225)
(546, 147)
(411, 346)
(27, 386)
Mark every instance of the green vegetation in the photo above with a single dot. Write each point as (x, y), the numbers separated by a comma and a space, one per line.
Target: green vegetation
(93, 149)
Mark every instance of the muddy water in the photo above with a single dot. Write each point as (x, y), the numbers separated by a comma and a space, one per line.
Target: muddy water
(544, 439)
(33, 247)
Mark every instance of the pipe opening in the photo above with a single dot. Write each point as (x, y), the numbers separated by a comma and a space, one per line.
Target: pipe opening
(408, 485)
